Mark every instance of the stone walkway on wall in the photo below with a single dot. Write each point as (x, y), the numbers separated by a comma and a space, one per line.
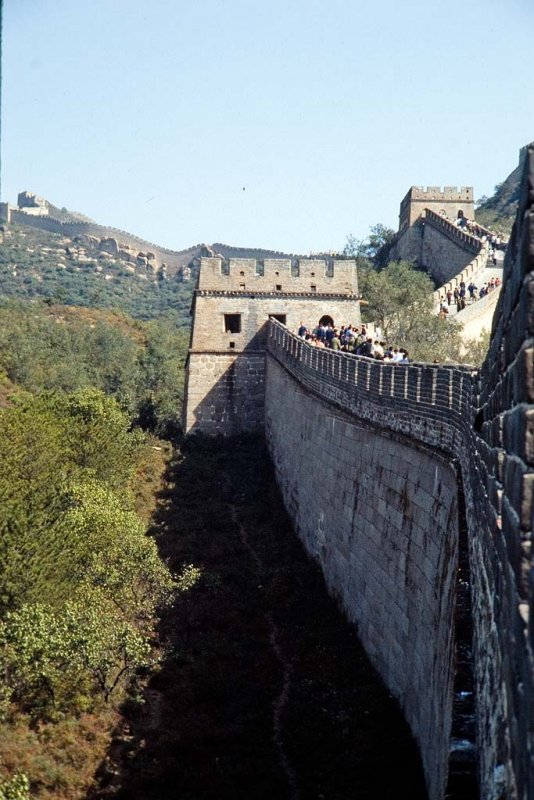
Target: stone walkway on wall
(477, 316)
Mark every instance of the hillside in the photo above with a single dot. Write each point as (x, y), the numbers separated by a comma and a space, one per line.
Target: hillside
(64, 257)
(37, 264)
(498, 211)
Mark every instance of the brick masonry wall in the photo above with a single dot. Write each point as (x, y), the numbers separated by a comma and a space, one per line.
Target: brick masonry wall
(298, 275)
(210, 310)
(370, 419)
(504, 588)
(224, 390)
(224, 393)
(445, 251)
(381, 518)
(485, 423)
(450, 199)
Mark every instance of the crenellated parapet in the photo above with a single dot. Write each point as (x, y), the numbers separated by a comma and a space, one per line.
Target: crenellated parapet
(289, 276)
(451, 202)
(377, 525)
(233, 303)
(468, 242)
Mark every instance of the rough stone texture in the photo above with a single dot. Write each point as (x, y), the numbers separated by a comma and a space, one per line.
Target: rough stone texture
(223, 366)
(447, 201)
(486, 423)
(321, 406)
(225, 393)
(381, 518)
(327, 276)
(435, 243)
(255, 311)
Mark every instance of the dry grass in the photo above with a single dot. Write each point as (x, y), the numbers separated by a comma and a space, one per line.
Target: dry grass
(60, 758)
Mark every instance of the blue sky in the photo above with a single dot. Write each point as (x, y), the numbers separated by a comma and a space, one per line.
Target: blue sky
(283, 124)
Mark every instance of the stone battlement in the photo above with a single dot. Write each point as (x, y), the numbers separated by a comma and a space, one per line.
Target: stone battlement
(447, 194)
(469, 243)
(451, 201)
(278, 275)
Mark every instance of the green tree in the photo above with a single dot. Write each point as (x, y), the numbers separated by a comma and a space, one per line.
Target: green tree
(108, 550)
(399, 299)
(162, 367)
(15, 788)
(35, 467)
(375, 250)
(53, 659)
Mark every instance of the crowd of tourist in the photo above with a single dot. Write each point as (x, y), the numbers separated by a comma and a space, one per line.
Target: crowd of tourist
(352, 339)
(495, 240)
(462, 294)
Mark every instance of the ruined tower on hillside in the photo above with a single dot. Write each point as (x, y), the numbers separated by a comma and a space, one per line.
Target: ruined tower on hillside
(232, 305)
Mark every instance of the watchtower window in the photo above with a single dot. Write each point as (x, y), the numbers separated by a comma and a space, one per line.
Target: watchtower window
(280, 317)
(242, 287)
(232, 323)
(312, 274)
(278, 287)
(313, 287)
(242, 274)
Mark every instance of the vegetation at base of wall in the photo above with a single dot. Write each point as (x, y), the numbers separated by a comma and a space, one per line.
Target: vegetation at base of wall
(81, 584)
(60, 348)
(36, 264)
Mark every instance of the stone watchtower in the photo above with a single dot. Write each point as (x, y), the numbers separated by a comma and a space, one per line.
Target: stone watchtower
(451, 202)
(232, 305)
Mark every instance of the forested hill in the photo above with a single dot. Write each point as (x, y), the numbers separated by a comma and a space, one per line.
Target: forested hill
(85, 271)
(48, 347)
(498, 211)
(38, 264)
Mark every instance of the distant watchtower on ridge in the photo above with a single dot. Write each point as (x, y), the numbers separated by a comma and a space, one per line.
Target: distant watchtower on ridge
(232, 305)
(451, 202)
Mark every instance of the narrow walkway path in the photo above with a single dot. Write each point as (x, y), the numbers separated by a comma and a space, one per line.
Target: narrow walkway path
(479, 279)
(265, 692)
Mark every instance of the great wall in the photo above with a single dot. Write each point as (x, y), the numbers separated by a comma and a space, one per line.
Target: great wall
(36, 212)
(411, 485)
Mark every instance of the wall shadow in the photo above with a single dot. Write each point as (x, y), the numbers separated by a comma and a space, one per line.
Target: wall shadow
(204, 725)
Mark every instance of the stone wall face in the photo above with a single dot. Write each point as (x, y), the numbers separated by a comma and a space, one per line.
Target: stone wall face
(492, 444)
(297, 275)
(438, 246)
(442, 257)
(224, 390)
(361, 450)
(504, 589)
(225, 394)
(381, 518)
(211, 309)
(450, 200)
